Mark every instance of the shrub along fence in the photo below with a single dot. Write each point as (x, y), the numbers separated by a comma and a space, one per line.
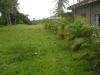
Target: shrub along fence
(78, 35)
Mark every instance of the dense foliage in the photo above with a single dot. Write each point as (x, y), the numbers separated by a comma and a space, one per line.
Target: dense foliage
(22, 19)
(78, 36)
(10, 14)
(40, 21)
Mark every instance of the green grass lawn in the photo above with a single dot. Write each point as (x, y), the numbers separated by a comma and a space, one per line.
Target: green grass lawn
(30, 50)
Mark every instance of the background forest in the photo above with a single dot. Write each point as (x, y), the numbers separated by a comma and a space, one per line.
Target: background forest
(10, 14)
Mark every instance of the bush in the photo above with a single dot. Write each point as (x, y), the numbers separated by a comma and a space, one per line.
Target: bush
(70, 31)
(52, 26)
(58, 27)
(79, 35)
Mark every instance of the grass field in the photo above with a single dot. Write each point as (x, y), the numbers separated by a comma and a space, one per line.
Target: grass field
(30, 50)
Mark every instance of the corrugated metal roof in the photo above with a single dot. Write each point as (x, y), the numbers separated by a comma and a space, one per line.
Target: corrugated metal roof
(82, 3)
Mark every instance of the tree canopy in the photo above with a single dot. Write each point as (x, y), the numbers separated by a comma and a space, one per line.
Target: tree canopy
(61, 4)
(10, 13)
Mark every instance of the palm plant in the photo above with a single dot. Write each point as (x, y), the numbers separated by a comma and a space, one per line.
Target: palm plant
(61, 5)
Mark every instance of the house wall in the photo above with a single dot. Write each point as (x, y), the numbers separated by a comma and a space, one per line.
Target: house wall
(89, 11)
(0, 14)
(79, 0)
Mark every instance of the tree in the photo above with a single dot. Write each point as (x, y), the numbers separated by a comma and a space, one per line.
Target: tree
(10, 13)
(22, 19)
(61, 5)
(8, 8)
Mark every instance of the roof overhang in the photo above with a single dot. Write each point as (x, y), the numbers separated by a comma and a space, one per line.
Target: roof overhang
(82, 3)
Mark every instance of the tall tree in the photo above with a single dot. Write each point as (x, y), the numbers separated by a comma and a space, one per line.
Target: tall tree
(61, 5)
(8, 8)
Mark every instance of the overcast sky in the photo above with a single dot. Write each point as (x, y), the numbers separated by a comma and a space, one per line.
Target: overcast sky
(37, 8)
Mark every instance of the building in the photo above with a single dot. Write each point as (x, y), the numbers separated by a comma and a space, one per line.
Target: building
(54, 17)
(69, 16)
(89, 9)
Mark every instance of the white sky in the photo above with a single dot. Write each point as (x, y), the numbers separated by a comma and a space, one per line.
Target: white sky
(37, 8)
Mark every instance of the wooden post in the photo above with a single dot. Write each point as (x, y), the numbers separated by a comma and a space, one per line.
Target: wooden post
(74, 11)
(91, 13)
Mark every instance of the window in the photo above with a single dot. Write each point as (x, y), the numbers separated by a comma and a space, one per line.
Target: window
(97, 19)
(0, 14)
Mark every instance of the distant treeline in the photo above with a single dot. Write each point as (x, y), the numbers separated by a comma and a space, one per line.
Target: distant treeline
(10, 14)
(41, 21)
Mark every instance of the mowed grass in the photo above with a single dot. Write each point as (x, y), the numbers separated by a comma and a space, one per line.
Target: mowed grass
(30, 50)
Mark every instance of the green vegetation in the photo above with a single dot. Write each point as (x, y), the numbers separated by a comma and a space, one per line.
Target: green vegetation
(60, 6)
(59, 47)
(41, 21)
(79, 37)
(10, 14)
(30, 50)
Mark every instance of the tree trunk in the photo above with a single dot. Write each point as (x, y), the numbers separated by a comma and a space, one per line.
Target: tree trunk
(9, 20)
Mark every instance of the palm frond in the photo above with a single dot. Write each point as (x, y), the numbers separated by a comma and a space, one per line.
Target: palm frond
(61, 5)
